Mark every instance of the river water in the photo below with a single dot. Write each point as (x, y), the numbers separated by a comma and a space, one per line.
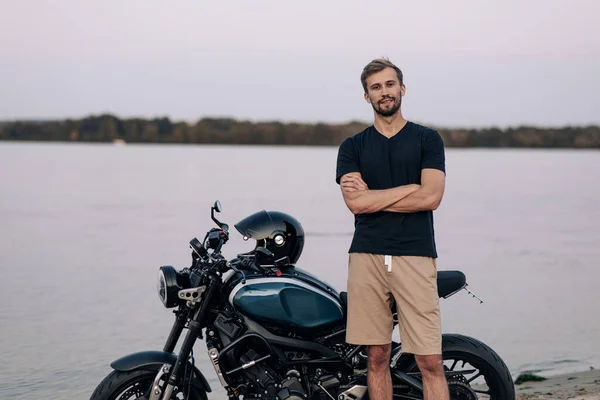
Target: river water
(84, 228)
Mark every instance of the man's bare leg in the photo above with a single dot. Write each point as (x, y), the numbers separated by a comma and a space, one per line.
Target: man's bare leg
(379, 379)
(435, 386)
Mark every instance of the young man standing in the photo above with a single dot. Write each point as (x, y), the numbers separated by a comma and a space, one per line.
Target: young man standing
(392, 176)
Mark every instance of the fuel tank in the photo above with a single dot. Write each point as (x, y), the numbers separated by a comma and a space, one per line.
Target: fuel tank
(294, 300)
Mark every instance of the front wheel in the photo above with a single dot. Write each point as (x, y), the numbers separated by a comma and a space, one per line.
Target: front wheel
(137, 384)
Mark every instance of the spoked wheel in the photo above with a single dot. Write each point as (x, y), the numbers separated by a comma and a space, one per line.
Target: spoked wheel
(473, 370)
(138, 384)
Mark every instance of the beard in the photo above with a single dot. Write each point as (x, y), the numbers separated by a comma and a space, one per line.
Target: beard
(387, 110)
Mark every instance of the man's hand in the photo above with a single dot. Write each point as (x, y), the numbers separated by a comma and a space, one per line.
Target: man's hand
(353, 182)
(428, 197)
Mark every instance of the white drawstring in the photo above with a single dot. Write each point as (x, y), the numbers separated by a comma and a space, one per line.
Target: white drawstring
(388, 262)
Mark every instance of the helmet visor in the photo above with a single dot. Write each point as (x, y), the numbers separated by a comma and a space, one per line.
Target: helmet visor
(256, 226)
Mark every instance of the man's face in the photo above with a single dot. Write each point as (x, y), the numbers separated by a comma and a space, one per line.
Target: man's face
(384, 92)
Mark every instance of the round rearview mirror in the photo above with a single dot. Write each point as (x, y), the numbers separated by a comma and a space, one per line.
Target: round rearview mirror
(217, 206)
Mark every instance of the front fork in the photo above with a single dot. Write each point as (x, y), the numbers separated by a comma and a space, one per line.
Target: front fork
(194, 330)
(175, 332)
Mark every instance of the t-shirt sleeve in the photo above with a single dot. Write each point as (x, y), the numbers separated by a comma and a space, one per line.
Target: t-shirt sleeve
(347, 159)
(433, 151)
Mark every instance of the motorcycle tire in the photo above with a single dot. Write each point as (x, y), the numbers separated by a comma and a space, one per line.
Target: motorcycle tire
(123, 385)
(490, 365)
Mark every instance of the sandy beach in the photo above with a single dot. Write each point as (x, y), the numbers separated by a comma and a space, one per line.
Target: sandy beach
(583, 385)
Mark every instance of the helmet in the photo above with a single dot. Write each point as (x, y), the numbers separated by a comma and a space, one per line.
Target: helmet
(276, 231)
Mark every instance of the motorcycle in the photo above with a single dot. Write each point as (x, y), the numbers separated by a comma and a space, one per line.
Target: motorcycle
(277, 332)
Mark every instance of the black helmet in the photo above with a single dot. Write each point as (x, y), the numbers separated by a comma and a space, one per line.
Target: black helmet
(276, 231)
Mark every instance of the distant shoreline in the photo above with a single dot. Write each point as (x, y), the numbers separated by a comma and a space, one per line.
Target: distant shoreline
(106, 128)
(306, 146)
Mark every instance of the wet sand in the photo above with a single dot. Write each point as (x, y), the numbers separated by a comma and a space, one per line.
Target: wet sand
(577, 385)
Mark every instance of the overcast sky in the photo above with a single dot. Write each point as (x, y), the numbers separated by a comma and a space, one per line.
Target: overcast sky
(466, 62)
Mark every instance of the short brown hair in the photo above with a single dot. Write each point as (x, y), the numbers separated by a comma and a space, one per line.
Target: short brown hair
(376, 66)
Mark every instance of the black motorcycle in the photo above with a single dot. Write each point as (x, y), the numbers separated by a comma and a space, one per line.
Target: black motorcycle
(275, 331)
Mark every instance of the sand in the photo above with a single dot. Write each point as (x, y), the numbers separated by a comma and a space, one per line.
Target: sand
(578, 386)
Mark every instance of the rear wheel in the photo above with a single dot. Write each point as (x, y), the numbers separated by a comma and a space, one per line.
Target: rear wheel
(471, 367)
(137, 384)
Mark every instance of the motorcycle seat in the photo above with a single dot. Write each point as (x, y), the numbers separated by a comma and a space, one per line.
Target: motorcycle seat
(449, 282)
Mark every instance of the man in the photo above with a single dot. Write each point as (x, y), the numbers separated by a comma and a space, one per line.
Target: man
(392, 176)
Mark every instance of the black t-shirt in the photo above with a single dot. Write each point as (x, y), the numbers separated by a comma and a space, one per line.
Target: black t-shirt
(385, 163)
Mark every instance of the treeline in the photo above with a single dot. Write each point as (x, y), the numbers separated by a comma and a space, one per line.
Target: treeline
(107, 128)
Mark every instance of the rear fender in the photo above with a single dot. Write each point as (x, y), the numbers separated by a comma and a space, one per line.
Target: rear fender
(152, 358)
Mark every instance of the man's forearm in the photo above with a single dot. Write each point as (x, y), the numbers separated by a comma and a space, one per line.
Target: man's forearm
(420, 200)
(370, 201)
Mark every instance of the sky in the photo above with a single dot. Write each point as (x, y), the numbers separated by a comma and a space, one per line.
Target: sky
(466, 63)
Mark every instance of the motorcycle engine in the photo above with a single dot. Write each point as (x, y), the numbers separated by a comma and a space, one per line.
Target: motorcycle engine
(262, 382)
(291, 388)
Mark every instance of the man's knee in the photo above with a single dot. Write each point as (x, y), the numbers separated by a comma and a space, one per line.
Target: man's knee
(379, 356)
(430, 364)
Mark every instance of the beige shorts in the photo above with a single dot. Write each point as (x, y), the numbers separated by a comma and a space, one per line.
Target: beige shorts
(372, 289)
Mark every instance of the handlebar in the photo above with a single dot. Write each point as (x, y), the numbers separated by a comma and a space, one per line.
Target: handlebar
(214, 240)
(222, 241)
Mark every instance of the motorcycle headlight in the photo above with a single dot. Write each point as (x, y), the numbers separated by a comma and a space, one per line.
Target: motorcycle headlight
(168, 286)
